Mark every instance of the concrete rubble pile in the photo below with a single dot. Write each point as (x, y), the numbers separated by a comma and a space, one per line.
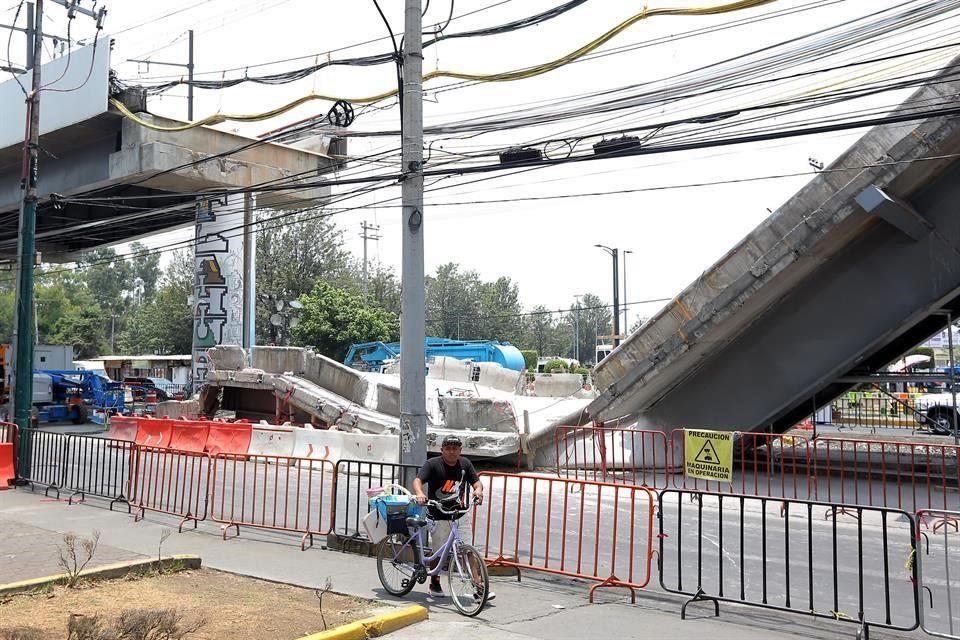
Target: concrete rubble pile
(494, 410)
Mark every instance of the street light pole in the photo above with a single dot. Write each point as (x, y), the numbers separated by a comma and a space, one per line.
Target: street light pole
(614, 253)
(626, 296)
(576, 324)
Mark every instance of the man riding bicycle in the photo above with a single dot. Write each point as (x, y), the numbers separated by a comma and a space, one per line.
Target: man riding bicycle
(447, 477)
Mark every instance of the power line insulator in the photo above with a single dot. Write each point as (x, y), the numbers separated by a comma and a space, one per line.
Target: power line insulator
(520, 154)
(616, 145)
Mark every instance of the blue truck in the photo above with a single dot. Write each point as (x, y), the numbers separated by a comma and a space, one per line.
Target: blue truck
(372, 356)
(73, 393)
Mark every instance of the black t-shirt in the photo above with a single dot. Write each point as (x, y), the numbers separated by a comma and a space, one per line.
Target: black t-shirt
(442, 478)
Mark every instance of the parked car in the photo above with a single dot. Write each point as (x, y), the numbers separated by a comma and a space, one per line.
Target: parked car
(140, 385)
(936, 410)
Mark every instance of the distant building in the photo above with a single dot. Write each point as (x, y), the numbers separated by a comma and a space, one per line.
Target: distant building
(175, 368)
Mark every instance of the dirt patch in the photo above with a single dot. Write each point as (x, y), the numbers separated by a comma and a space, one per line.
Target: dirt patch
(233, 606)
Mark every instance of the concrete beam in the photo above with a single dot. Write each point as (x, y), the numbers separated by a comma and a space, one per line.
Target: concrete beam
(803, 236)
(894, 211)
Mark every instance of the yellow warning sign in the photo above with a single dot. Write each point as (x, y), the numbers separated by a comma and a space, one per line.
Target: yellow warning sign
(708, 455)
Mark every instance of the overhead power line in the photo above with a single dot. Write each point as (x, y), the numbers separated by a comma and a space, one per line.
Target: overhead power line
(505, 76)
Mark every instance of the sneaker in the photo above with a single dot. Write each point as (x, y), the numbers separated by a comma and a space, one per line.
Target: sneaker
(435, 589)
(490, 596)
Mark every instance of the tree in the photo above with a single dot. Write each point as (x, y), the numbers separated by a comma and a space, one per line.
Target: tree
(7, 303)
(384, 288)
(639, 322)
(453, 303)
(537, 328)
(82, 328)
(165, 324)
(145, 269)
(594, 319)
(108, 278)
(332, 319)
(292, 255)
(500, 310)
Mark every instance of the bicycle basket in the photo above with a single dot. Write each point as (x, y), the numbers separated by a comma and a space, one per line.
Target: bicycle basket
(396, 518)
(395, 510)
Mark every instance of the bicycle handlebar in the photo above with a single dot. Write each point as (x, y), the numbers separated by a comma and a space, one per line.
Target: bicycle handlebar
(439, 507)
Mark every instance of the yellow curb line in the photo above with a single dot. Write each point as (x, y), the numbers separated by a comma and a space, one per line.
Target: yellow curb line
(375, 626)
(115, 570)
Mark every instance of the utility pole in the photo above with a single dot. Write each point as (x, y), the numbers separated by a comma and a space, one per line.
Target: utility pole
(31, 29)
(626, 296)
(190, 75)
(26, 253)
(188, 67)
(413, 409)
(26, 241)
(28, 32)
(368, 233)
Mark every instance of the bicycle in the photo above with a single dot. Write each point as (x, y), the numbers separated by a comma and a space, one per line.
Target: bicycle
(467, 575)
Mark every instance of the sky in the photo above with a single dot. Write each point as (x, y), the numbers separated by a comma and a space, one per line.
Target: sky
(546, 246)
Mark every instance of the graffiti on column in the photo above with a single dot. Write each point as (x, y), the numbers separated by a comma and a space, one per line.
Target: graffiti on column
(218, 287)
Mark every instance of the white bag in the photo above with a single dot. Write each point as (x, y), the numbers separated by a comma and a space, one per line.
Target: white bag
(376, 526)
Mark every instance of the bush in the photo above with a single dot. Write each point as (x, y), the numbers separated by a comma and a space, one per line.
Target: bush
(75, 554)
(530, 358)
(134, 624)
(555, 366)
(582, 371)
(923, 351)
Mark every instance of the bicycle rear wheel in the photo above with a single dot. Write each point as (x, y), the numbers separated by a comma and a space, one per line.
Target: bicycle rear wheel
(468, 580)
(395, 565)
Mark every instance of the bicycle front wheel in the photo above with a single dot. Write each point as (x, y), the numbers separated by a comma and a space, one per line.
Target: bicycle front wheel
(468, 579)
(395, 565)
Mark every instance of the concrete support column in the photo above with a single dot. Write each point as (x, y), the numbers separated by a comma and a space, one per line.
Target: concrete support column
(218, 300)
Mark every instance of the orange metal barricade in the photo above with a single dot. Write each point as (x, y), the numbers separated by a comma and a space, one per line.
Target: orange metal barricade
(911, 476)
(620, 456)
(273, 492)
(153, 432)
(170, 482)
(576, 528)
(764, 464)
(189, 435)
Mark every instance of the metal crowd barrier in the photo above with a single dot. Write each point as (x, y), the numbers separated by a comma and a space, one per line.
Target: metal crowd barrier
(99, 467)
(764, 464)
(272, 492)
(350, 483)
(733, 548)
(617, 455)
(872, 413)
(170, 482)
(43, 460)
(574, 528)
(938, 569)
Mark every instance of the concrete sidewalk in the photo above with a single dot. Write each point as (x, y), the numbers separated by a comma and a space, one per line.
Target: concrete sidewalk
(538, 607)
(28, 552)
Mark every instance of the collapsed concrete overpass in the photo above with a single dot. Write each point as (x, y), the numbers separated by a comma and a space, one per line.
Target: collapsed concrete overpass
(116, 180)
(852, 271)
